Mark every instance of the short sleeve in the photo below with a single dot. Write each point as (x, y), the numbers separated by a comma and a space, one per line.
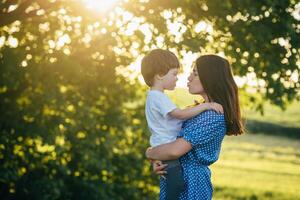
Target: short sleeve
(163, 104)
(203, 128)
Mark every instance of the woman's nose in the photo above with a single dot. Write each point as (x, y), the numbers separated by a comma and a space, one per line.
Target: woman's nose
(190, 77)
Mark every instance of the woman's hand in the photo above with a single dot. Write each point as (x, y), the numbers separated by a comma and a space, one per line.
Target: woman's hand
(158, 168)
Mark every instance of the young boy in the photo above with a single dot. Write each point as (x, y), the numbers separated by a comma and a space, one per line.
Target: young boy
(159, 69)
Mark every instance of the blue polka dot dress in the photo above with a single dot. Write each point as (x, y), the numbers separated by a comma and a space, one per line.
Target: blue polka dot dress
(205, 132)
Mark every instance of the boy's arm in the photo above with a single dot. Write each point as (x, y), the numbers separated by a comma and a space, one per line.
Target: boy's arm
(190, 112)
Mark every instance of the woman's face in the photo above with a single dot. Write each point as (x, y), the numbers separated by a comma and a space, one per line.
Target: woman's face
(194, 83)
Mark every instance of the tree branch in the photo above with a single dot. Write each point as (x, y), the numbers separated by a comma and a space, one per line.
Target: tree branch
(6, 4)
(7, 18)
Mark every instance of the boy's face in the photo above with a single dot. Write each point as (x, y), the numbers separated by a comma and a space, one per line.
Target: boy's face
(170, 79)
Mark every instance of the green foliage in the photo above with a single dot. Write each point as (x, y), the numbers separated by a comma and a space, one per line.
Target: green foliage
(72, 122)
(261, 37)
(69, 129)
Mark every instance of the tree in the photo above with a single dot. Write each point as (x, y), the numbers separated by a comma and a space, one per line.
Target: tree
(72, 123)
(262, 38)
(71, 126)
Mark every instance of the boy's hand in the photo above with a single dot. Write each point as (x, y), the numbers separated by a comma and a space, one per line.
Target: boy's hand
(216, 107)
(157, 165)
(147, 153)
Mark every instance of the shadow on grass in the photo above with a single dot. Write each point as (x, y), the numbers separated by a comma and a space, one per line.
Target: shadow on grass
(227, 193)
(255, 126)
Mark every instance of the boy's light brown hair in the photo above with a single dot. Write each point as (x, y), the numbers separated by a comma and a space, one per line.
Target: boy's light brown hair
(158, 62)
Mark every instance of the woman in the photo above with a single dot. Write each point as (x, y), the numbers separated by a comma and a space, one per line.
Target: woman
(199, 142)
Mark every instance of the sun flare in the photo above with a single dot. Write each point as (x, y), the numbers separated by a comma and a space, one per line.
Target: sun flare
(100, 5)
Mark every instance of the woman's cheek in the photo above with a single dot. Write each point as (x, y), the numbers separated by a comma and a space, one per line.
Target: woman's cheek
(191, 88)
(195, 89)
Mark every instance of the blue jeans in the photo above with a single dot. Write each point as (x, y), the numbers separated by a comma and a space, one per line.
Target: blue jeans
(175, 183)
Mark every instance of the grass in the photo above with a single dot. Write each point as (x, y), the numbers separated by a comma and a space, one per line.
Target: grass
(257, 167)
(289, 118)
(262, 164)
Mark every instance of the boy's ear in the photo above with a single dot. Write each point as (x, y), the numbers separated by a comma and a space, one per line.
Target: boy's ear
(158, 77)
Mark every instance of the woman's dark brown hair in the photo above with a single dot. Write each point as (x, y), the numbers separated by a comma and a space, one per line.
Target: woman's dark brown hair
(217, 80)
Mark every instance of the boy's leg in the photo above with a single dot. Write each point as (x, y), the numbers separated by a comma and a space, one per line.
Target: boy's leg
(174, 180)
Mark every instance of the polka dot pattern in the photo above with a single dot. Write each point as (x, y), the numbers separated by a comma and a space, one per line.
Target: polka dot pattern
(205, 132)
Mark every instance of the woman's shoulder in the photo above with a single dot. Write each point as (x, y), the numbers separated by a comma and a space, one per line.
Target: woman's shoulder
(204, 127)
(206, 117)
(211, 115)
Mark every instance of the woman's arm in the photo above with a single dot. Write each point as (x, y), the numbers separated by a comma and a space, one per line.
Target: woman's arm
(169, 151)
(207, 127)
